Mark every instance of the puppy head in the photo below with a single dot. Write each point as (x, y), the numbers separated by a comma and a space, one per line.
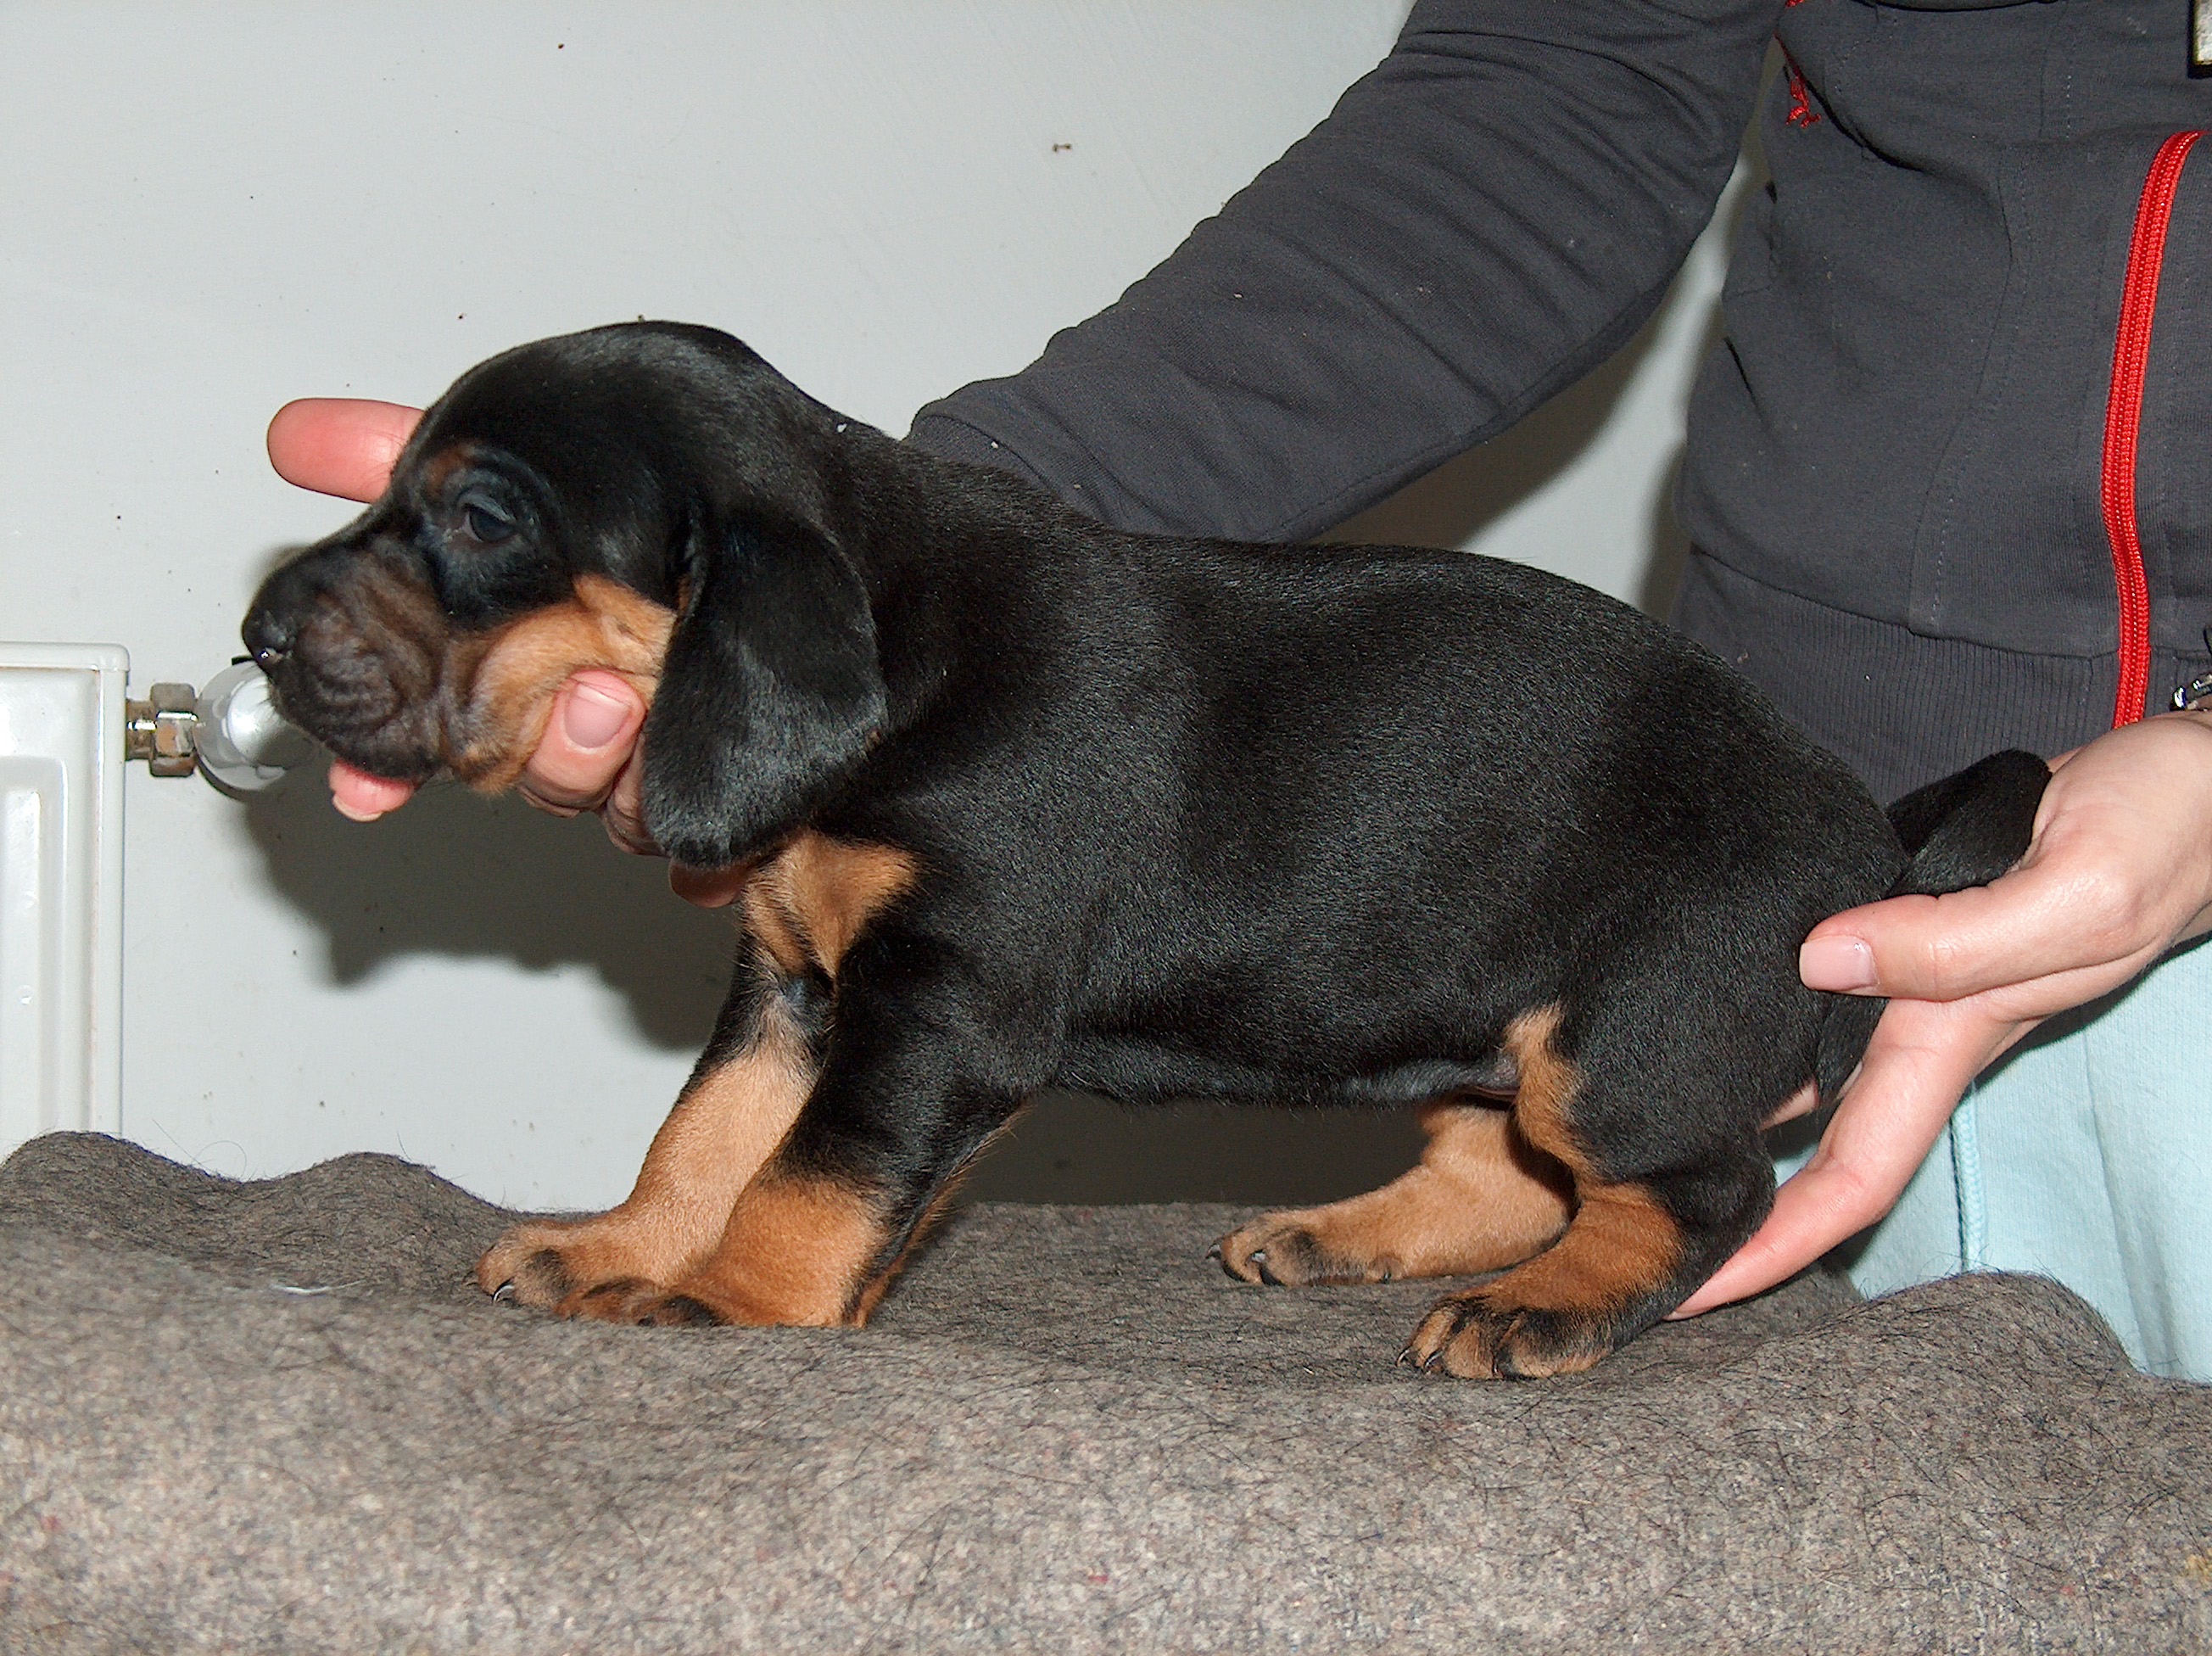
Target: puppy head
(649, 497)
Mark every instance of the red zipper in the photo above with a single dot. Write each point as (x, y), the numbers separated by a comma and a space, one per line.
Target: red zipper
(2123, 421)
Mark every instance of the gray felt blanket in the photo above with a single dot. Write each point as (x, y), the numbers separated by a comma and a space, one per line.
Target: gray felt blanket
(274, 1416)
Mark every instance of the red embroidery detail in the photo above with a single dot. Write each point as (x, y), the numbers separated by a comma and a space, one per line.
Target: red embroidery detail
(2123, 421)
(1801, 113)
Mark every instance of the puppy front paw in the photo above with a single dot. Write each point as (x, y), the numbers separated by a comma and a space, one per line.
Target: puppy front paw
(637, 1304)
(589, 1268)
(527, 1266)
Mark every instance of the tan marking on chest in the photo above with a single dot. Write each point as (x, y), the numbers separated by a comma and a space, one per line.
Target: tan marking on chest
(810, 901)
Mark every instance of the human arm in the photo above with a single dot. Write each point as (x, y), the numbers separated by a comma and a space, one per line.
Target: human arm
(1481, 220)
(2119, 870)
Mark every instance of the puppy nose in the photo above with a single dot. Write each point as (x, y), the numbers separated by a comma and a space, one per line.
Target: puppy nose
(268, 636)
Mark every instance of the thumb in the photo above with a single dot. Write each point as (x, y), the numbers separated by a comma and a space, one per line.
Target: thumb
(2024, 926)
(342, 446)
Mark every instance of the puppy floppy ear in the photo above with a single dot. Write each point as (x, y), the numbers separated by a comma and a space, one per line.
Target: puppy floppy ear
(770, 691)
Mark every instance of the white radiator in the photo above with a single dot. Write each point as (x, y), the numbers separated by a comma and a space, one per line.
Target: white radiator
(61, 888)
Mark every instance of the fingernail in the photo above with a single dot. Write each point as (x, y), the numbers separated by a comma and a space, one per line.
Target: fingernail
(594, 718)
(1841, 964)
(359, 813)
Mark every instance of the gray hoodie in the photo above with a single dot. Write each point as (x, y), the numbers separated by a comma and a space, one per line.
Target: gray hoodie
(1898, 455)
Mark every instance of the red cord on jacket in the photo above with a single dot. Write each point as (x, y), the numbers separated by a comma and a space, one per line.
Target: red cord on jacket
(2123, 421)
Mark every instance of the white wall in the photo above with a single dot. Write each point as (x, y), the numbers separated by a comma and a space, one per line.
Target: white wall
(206, 209)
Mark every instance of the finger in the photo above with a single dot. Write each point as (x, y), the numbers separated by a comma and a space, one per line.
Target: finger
(342, 446)
(1917, 1069)
(710, 888)
(2032, 922)
(587, 741)
(363, 797)
(623, 815)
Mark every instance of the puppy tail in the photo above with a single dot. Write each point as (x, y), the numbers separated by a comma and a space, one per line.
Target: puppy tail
(1965, 830)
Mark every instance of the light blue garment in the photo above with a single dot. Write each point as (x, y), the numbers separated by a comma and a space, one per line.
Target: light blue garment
(2084, 1154)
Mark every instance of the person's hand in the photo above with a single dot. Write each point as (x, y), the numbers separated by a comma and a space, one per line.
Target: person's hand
(587, 758)
(2119, 871)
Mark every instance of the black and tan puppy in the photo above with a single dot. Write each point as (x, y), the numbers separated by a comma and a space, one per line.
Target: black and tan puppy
(1028, 801)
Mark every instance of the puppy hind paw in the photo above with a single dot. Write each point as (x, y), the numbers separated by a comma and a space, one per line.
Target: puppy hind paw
(1281, 1251)
(1477, 1336)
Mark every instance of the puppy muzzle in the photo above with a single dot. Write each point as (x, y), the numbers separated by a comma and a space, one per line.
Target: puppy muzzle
(354, 652)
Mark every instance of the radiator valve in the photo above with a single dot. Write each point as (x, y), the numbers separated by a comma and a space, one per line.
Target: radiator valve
(231, 730)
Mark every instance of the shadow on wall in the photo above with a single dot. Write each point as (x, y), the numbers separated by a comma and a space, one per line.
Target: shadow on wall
(1070, 1146)
(455, 875)
(460, 876)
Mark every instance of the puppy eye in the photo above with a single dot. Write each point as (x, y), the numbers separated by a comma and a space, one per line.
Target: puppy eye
(485, 525)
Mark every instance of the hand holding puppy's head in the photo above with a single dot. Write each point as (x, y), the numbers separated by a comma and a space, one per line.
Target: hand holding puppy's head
(649, 497)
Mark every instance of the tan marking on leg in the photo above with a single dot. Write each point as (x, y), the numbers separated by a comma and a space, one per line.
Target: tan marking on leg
(816, 895)
(511, 684)
(783, 1248)
(1549, 1084)
(1556, 1314)
(1621, 1246)
(797, 1250)
(819, 1238)
(723, 1129)
(1482, 1198)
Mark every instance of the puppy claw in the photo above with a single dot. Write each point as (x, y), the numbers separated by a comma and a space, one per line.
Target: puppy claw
(504, 1295)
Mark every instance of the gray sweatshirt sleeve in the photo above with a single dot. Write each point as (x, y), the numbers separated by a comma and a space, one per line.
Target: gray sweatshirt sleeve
(1485, 216)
